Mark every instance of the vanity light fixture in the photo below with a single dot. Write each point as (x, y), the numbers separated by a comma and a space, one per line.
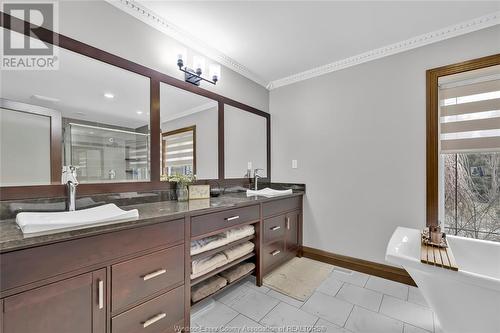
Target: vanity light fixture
(109, 95)
(194, 76)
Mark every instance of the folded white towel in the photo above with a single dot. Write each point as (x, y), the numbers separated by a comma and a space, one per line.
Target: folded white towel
(205, 265)
(208, 243)
(239, 251)
(239, 233)
(43, 222)
(269, 192)
(212, 242)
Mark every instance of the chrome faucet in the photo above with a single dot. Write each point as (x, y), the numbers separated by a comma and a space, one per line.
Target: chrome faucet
(69, 178)
(256, 178)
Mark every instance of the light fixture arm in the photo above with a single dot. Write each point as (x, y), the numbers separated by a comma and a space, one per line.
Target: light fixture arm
(193, 76)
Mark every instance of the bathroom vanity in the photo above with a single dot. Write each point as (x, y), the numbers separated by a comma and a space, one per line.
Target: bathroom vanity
(132, 276)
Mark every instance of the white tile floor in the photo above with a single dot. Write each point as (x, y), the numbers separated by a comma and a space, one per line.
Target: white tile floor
(346, 302)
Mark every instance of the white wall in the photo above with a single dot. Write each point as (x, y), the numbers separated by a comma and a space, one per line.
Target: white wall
(359, 137)
(104, 26)
(207, 140)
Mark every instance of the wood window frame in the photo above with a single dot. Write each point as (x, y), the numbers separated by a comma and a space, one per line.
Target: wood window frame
(178, 131)
(432, 125)
(59, 190)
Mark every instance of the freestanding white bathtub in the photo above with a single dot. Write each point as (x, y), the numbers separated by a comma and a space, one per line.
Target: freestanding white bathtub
(467, 301)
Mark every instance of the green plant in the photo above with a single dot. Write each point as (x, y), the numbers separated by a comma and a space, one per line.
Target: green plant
(180, 179)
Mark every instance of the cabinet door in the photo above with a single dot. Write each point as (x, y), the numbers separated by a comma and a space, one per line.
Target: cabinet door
(76, 305)
(292, 231)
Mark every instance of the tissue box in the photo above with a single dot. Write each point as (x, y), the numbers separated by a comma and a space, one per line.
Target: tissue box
(199, 192)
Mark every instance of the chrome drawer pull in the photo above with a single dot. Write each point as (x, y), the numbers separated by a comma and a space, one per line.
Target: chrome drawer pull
(232, 218)
(154, 274)
(288, 223)
(275, 252)
(275, 228)
(101, 293)
(154, 319)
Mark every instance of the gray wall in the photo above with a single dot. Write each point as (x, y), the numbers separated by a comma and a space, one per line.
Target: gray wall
(359, 137)
(115, 31)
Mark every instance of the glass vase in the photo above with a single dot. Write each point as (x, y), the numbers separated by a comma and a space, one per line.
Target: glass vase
(182, 192)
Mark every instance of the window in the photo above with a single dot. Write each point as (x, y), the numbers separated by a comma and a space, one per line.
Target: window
(179, 151)
(469, 149)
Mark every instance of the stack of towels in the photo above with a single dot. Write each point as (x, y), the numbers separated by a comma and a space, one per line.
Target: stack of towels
(217, 282)
(212, 242)
(203, 266)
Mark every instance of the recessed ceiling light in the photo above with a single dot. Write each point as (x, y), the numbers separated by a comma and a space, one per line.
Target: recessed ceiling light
(109, 95)
(139, 112)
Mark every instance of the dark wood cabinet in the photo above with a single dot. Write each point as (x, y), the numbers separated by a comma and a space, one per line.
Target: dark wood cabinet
(281, 232)
(134, 279)
(76, 305)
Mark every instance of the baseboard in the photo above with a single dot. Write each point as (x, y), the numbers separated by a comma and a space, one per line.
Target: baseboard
(360, 265)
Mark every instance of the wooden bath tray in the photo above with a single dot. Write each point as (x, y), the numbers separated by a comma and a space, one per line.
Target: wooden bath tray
(438, 256)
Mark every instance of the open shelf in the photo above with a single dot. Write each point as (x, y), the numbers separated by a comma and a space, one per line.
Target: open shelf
(222, 268)
(221, 248)
(226, 286)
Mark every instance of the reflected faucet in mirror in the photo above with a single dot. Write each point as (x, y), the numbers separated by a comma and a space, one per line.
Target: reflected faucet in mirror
(256, 178)
(69, 178)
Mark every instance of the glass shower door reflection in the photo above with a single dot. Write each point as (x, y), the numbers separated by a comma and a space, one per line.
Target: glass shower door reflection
(104, 154)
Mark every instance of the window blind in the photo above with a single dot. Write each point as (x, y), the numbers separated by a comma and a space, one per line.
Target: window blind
(179, 149)
(470, 115)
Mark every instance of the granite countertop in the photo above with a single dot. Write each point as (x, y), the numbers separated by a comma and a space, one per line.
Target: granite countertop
(11, 237)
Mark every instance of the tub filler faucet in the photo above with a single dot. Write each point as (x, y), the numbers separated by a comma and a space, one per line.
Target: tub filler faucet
(69, 178)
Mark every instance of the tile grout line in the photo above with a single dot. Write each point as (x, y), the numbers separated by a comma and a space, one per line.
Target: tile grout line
(349, 316)
(381, 301)
(259, 321)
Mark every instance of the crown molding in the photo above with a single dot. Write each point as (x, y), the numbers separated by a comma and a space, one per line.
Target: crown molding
(193, 110)
(155, 20)
(463, 28)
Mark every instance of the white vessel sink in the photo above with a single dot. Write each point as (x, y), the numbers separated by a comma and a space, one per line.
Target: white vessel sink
(35, 222)
(268, 192)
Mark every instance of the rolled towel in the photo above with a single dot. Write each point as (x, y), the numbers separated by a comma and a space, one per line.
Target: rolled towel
(207, 288)
(208, 243)
(234, 273)
(238, 233)
(205, 265)
(239, 251)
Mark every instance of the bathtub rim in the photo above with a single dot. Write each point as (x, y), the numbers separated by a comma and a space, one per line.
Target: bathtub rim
(405, 259)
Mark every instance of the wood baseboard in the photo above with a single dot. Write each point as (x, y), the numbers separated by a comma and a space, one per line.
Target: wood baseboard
(360, 265)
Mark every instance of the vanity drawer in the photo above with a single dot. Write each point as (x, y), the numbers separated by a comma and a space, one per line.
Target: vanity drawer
(135, 279)
(212, 222)
(273, 253)
(274, 228)
(158, 315)
(280, 206)
(21, 267)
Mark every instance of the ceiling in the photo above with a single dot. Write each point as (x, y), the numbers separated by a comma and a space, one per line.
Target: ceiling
(277, 39)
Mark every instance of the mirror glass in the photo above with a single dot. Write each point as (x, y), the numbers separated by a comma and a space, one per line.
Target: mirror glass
(29, 133)
(189, 127)
(245, 143)
(104, 121)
